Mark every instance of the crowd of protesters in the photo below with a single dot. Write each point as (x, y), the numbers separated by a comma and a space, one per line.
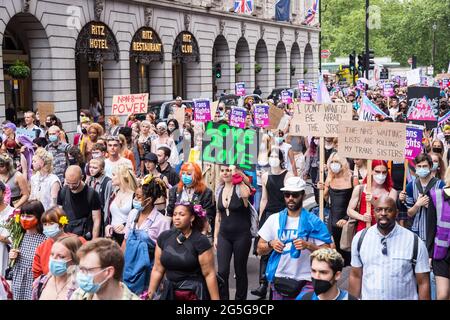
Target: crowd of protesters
(132, 212)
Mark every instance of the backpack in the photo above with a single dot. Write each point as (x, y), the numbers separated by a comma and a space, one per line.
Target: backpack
(79, 226)
(414, 254)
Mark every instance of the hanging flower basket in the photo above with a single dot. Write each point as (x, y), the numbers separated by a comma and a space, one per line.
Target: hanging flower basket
(19, 70)
(258, 68)
(277, 68)
(237, 68)
(292, 70)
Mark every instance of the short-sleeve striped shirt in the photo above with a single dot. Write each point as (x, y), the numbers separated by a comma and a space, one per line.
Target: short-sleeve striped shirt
(390, 276)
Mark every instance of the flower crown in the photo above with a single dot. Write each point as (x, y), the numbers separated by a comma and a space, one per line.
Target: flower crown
(197, 208)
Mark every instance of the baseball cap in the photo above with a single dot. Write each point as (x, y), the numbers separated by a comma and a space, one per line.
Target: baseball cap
(294, 184)
(10, 125)
(150, 157)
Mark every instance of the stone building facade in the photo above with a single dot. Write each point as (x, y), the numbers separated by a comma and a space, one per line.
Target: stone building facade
(79, 49)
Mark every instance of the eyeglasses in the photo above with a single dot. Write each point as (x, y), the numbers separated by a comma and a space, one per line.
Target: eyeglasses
(388, 210)
(294, 195)
(84, 270)
(384, 248)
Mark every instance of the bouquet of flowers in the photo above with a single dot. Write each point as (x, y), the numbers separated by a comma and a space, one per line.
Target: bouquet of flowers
(15, 231)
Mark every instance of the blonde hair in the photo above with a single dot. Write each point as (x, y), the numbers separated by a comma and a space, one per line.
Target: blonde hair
(45, 156)
(97, 128)
(126, 177)
(330, 256)
(344, 165)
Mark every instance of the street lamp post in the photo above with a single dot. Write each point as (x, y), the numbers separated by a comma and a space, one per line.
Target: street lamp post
(367, 40)
(433, 52)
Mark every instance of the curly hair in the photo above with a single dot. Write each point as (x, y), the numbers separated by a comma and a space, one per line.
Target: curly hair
(46, 156)
(330, 256)
(97, 128)
(154, 189)
(198, 222)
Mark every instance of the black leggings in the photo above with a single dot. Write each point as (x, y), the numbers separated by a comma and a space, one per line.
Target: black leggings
(337, 233)
(239, 245)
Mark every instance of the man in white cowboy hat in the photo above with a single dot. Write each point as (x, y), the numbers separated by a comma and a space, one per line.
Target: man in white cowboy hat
(290, 236)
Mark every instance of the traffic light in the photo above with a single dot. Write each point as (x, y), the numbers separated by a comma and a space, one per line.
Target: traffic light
(218, 71)
(351, 58)
(370, 59)
(361, 63)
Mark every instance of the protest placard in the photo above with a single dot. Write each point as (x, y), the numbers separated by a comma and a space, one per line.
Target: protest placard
(388, 89)
(413, 77)
(415, 97)
(286, 97)
(129, 104)
(237, 117)
(305, 96)
(319, 120)
(240, 89)
(45, 109)
(223, 144)
(202, 110)
(214, 106)
(24, 132)
(178, 114)
(414, 135)
(261, 115)
(372, 140)
(275, 115)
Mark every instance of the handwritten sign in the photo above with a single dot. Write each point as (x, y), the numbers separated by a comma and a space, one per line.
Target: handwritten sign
(202, 110)
(178, 114)
(275, 115)
(305, 96)
(237, 117)
(240, 89)
(319, 120)
(286, 97)
(223, 144)
(388, 89)
(130, 104)
(414, 135)
(262, 115)
(301, 85)
(24, 132)
(372, 140)
(413, 77)
(45, 109)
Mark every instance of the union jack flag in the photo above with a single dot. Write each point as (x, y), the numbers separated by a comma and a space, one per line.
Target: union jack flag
(310, 15)
(243, 6)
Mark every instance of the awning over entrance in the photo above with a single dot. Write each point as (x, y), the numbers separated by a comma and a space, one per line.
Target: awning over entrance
(185, 48)
(146, 46)
(97, 42)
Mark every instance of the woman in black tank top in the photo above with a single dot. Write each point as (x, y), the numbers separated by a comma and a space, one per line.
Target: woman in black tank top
(232, 234)
(339, 189)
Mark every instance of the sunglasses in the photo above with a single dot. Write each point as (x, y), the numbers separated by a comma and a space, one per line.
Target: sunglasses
(294, 195)
(384, 248)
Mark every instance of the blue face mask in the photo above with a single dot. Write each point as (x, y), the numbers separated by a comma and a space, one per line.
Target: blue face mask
(57, 267)
(422, 172)
(279, 140)
(52, 231)
(435, 166)
(187, 180)
(86, 282)
(137, 205)
(52, 138)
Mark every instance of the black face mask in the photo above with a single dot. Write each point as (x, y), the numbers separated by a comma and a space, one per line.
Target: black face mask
(72, 161)
(84, 131)
(48, 124)
(437, 150)
(98, 174)
(321, 286)
(447, 137)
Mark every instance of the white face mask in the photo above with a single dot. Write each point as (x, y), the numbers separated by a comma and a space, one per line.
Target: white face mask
(316, 142)
(335, 167)
(274, 162)
(379, 178)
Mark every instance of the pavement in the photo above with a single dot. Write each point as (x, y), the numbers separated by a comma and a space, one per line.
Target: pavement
(253, 263)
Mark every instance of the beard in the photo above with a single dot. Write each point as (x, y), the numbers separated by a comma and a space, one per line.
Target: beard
(295, 205)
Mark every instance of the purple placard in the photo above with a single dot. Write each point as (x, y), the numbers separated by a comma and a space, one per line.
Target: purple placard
(237, 117)
(286, 97)
(262, 115)
(360, 85)
(388, 89)
(301, 85)
(240, 89)
(314, 94)
(445, 83)
(202, 110)
(305, 96)
(413, 142)
(424, 81)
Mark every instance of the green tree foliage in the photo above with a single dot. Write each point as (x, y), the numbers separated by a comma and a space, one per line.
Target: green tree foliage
(405, 29)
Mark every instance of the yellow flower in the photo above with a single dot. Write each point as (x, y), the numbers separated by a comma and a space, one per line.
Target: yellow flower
(17, 218)
(63, 220)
